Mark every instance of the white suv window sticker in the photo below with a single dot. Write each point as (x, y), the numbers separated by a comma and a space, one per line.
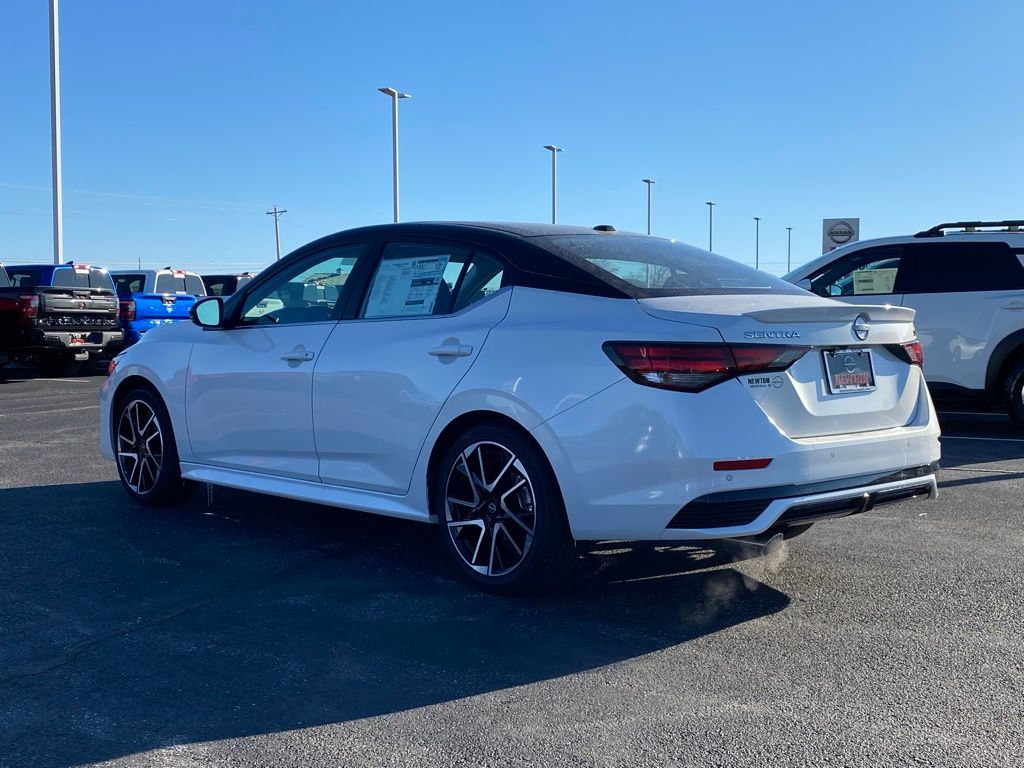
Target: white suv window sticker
(867, 281)
(406, 286)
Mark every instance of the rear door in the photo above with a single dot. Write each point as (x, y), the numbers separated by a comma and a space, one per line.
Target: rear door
(969, 296)
(250, 386)
(385, 373)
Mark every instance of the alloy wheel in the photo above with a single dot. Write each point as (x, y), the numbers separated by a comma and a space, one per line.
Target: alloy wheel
(140, 446)
(490, 509)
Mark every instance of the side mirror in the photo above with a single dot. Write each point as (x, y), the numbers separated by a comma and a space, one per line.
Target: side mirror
(208, 312)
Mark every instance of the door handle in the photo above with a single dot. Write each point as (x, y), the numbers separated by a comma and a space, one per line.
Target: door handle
(451, 350)
(1016, 306)
(297, 357)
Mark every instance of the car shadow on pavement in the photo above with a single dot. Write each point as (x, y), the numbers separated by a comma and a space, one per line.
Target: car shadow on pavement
(128, 629)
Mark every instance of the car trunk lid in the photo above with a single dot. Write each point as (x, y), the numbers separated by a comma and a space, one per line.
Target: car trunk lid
(815, 398)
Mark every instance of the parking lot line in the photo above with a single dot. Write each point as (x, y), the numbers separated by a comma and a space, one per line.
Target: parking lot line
(55, 410)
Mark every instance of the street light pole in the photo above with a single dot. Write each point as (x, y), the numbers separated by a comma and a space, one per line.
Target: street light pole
(711, 222)
(395, 96)
(276, 213)
(757, 242)
(58, 202)
(554, 179)
(649, 183)
(789, 249)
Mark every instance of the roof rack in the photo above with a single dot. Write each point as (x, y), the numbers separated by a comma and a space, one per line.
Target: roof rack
(1011, 225)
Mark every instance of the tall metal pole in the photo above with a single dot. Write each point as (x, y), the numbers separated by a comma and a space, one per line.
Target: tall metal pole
(711, 222)
(757, 242)
(276, 213)
(789, 249)
(58, 202)
(554, 180)
(649, 182)
(395, 96)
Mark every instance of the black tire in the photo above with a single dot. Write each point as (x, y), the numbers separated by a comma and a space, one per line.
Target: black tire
(512, 515)
(153, 478)
(1013, 391)
(60, 364)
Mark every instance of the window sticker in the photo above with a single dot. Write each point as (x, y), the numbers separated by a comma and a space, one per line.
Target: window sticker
(406, 286)
(868, 281)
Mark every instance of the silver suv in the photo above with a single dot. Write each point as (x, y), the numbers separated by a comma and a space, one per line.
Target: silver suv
(966, 281)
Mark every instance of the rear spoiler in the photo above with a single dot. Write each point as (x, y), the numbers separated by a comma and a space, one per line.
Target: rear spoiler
(838, 313)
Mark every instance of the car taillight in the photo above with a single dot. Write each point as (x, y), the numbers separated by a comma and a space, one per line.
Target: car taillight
(912, 352)
(695, 367)
(28, 307)
(128, 310)
(915, 352)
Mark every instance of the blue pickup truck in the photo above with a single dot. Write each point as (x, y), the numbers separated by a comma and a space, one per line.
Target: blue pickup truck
(152, 297)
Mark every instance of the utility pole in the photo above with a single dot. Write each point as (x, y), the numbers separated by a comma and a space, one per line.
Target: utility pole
(711, 221)
(757, 242)
(649, 183)
(58, 203)
(276, 213)
(395, 96)
(554, 180)
(789, 249)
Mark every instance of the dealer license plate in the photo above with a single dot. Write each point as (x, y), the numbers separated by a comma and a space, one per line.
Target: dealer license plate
(848, 370)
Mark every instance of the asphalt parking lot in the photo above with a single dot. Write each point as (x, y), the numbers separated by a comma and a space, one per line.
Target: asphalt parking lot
(242, 630)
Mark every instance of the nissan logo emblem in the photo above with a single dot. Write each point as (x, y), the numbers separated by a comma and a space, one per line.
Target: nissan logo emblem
(849, 364)
(861, 327)
(840, 232)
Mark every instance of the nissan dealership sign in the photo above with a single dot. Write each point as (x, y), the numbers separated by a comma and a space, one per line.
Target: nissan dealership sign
(836, 232)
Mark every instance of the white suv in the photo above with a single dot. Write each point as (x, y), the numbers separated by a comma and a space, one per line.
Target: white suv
(966, 281)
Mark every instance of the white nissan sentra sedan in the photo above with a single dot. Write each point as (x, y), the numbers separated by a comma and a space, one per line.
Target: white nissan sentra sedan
(526, 387)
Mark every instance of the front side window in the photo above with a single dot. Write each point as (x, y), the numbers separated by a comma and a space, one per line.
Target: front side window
(870, 272)
(644, 267)
(308, 292)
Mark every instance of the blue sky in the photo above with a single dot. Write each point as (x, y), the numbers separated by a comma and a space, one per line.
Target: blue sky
(184, 122)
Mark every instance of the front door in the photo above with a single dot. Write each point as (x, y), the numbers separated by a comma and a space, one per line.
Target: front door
(249, 392)
(385, 374)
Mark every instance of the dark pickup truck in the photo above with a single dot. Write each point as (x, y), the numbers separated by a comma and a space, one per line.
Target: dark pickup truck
(58, 315)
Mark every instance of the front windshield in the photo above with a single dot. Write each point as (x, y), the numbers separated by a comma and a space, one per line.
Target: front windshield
(647, 266)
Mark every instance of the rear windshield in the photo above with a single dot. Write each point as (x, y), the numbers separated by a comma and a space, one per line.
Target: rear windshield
(220, 285)
(66, 277)
(189, 283)
(645, 267)
(25, 277)
(133, 283)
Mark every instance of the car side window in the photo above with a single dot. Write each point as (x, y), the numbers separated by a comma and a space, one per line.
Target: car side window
(484, 276)
(415, 280)
(962, 267)
(870, 272)
(308, 292)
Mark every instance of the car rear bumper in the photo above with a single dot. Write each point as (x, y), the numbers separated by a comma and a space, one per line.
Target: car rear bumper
(92, 341)
(631, 459)
(736, 514)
